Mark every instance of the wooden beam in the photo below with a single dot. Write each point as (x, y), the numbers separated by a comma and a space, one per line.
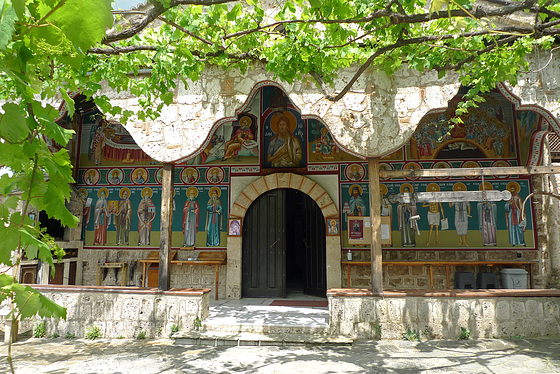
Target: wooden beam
(450, 196)
(165, 226)
(375, 216)
(469, 172)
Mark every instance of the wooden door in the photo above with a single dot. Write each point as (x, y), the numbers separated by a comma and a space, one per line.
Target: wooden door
(264, 247)
(315, 250)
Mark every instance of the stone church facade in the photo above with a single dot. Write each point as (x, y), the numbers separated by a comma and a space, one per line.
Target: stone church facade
(278, 178)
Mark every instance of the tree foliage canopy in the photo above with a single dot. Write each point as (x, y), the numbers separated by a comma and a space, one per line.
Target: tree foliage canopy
(484, 41)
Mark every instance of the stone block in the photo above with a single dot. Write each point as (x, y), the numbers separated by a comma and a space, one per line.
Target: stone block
(330, 210)
(244, 201)
(295, 181)
(534, 309)
(410, 310)
(408, 283)
(392, 331)
(283, 180)
(317, 192)
(271, 182)
(518, 310)
(365, 329)
(460, 312)
(381, 310)
(418, 270)
(551, 309)
(307, 185)
(259, 186)
(399, 270)
(503, 311)
(395, 307)
(426, 256)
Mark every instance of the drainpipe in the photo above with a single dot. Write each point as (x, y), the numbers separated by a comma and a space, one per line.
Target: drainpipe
(165, 226)
(375, 216)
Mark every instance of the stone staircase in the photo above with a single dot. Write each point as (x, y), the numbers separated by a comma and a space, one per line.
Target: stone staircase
(259, 325)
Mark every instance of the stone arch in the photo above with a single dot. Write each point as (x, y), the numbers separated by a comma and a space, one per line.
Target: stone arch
(251, 193)
(284, 180)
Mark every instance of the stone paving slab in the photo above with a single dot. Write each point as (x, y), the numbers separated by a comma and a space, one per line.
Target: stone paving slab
(163, 356)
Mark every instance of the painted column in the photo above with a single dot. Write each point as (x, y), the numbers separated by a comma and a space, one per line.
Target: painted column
(375, 216)
(165, 226)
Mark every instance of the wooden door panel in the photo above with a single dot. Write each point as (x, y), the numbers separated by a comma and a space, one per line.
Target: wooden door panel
(315, 250)
(263, 249)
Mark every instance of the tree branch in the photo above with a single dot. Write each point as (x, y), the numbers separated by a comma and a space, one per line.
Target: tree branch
(153, 13)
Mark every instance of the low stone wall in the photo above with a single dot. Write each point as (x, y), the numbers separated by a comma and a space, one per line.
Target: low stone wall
(123, 311)
(358, 313)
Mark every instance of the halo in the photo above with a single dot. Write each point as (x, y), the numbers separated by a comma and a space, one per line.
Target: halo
(149, 190)
(115, 172)
(354, 167)
(122, 190)
(459, 184)
(291, 119)
(383, 188)
(83, 191)
(245, 122)
(324, 131)
(102, 190)
(470, 164)
(352, 189)
(189, 171)
(219, 192)
(140, 171)
(513, 184)
(191, 189)
(410, 189)
(429, 187)
(487, 186)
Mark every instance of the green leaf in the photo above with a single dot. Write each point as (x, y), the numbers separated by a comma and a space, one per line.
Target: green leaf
(8, 17)
(91, 18)
(13, 127)
(68, 100)
(437, 5)
(19, 7)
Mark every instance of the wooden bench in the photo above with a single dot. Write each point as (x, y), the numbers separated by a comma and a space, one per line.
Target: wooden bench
(447, 265)
(204, 258)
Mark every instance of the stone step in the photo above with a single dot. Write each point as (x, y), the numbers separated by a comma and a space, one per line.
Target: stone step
(263, 328)
(216, 338)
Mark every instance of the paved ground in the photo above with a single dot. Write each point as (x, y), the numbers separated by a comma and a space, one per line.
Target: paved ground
(162, 356)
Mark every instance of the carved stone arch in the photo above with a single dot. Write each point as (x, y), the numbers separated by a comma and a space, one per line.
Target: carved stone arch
(284, 180)
(251, 193)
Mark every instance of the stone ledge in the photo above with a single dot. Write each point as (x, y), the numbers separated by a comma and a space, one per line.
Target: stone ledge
(362, 292)
(122, 290)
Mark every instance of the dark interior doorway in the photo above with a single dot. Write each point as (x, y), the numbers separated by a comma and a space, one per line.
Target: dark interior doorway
(53, 226)
(284, 246)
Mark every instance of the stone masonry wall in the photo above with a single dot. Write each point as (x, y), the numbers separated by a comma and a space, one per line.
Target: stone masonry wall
(181, 276)
(418, 277)
(122, 311)
(371, 317)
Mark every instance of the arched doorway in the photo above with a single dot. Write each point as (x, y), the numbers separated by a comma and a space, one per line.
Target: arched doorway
(284, 246)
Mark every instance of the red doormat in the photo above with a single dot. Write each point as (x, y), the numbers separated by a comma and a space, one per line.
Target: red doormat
(311, 303)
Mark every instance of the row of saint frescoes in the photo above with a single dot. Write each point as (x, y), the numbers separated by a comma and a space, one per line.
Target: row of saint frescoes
(357, 171)
(139, 176)
(120, 215)
(408, 215)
